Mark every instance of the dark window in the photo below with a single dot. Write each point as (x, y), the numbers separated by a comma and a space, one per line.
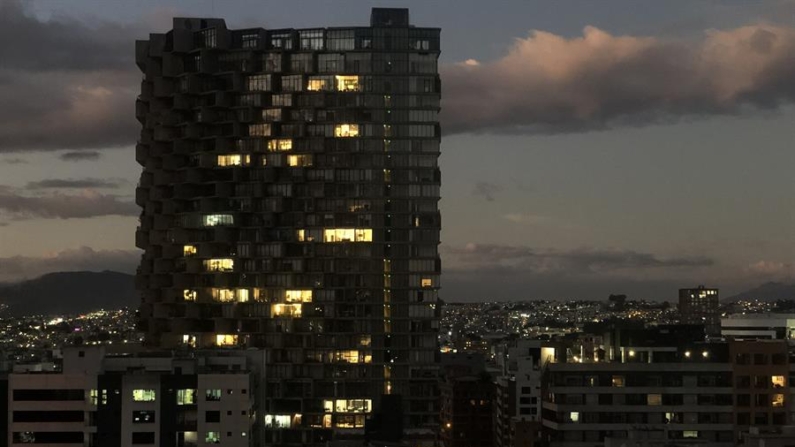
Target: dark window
(779, 359)
(743, 400)
(760, 359)
(44, 395)
(143, 417)
(49, 416)
(48, 437)
(144, 437)
(212, 416)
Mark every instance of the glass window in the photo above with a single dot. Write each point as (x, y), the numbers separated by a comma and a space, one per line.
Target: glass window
(298, 296)
(212, 394)
(618, 381)
(574, 416)
(225, 340)
(347, 235)
(212, 437)
(348, 84)
(778, 381)
(280, 145)
(189, 250)
(219, 265)
(189, 295)
(346, 130)
(654, 399)
(286, 310)
(214, 220)
(186, 397)
(777, 400)
(143, 395)
(234, 160)
(299, 160)
(259, 83)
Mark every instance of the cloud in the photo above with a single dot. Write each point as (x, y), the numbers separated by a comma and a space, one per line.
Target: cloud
(75, 183)
(78, 259)
(530, 219)
(555, 262)
(14, 161)
(80, 156)
(771, 269)
(87, 203)
(65, 84)
(548, 83)
(486, 190)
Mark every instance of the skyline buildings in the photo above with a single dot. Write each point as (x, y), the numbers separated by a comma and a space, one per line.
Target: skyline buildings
(289, 198)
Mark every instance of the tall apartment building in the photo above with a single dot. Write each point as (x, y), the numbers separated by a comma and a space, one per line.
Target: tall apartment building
(700, 306)
(289, 198)
(136, 400)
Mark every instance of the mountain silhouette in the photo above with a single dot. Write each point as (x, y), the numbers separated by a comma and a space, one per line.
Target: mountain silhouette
(69, 293)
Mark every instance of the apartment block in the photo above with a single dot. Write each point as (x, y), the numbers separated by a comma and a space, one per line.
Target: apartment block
(289, 199)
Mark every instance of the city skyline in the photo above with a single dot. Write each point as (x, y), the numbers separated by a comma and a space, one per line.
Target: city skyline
(628, 194)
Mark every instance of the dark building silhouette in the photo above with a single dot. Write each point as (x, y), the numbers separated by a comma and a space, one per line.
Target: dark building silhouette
(466, 412)
(700, 306)
(289, 198)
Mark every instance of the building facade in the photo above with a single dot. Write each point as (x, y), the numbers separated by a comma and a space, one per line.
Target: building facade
(289, 198)
(700, 306)
(155, 399)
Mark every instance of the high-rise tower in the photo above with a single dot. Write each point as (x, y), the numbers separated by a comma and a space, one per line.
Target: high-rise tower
(290, 192)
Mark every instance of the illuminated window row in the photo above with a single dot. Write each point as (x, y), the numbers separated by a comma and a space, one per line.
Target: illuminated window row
(339, 83)
(336, 235)
(233, 160)
(245, 295)
(348, 406)
(219, 265)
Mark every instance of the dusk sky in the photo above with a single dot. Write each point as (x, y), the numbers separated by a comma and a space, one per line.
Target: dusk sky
(590, 147)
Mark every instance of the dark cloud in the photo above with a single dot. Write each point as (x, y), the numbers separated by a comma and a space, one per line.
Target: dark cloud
(80, 156)
(65, 84)
(75, 183)
(548, 83)
(480, 272)
(486, 190)
(88, 203)
(14, 161)
(553, 262)
(78, 259)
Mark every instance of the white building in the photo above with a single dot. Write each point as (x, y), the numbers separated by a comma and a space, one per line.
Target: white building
(759, 326)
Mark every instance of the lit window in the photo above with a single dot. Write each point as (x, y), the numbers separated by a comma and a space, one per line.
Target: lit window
(299, 160)
(93, 396)
(347, 235)
(214, 220)
(213, 395)
(212, 437)
(326, 421)
(298, 296)
(778, 381)
(225, 340)
(777, 400)
(319, 83)
(346, 130)
(189, 295)
(286, 310)
(348, 84)
(618, 381)
(189, 250)
(241, 295)
(234, 160)
(186, 397)
(353, 356)
(280, 145)
(574, 416)
(427, 282)
(353, 405)
(365, 340)
(143, 395)
(189, 340)
(300, 235)
(272, 114)
(280, 420)
(219, 265)
(223, 295)
(690, 433)
(654, 399)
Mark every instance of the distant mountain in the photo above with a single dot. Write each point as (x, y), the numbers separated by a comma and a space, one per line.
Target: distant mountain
(770, 291)
(69, 292)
